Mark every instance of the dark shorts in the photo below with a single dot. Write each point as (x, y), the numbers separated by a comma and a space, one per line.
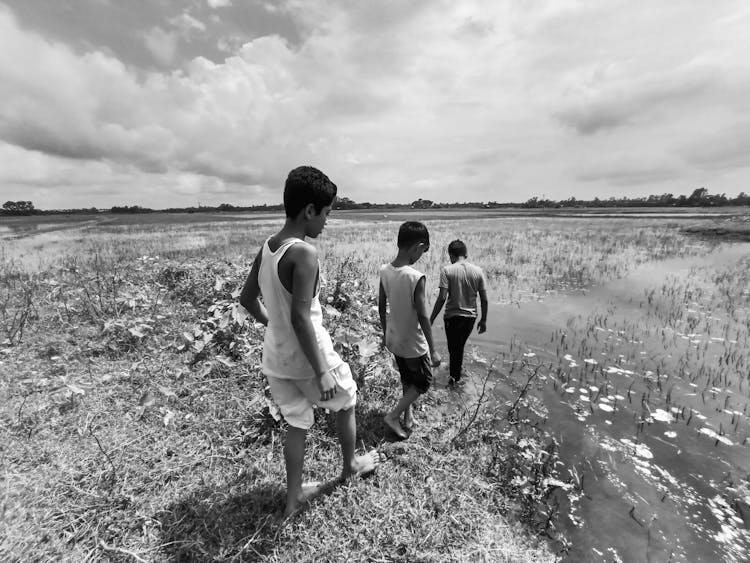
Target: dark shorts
(416, 372)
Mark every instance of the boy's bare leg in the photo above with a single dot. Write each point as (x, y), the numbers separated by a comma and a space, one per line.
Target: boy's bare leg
(391, 419)
(346, 426)
(294, 456)
(408, 416)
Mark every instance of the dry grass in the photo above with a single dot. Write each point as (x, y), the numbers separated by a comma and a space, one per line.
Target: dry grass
(123, 440)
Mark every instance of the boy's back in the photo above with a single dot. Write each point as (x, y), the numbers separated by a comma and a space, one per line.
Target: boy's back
(283, 356)
(460, 283)
(404, 336)
(463, 281)
(302, 369)
(407, 329)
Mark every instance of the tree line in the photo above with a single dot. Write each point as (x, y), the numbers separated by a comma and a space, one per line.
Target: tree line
(699, 198)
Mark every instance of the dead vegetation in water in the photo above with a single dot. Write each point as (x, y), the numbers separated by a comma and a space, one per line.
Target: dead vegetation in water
(733, 229)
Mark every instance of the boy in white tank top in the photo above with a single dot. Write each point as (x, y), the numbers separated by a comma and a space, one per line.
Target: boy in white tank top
(302, 368)
(406, 325)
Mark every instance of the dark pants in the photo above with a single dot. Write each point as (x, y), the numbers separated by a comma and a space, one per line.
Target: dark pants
(416, 372)
(457, 331)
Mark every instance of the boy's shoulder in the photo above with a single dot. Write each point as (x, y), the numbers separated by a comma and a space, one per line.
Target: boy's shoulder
(408, 270)
(297, 247)
(452, 268)
(458, 266)
(299, 253)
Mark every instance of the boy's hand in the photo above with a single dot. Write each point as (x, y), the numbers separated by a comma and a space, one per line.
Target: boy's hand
(327, 385)
(435, 359)
(481, 327)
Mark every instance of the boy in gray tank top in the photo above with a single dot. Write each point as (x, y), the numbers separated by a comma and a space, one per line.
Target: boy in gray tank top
(302, 368)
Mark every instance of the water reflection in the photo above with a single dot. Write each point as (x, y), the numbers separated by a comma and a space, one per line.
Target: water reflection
(647, 395)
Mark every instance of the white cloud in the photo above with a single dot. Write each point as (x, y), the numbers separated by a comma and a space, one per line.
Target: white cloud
(229, 44)
(604, 98)
(394, 101)
(162, 44)
(630, 168)
(722, 148)
(219, 3)
(187, 24)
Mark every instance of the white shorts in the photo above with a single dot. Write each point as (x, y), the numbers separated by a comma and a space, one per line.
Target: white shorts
(296, 397)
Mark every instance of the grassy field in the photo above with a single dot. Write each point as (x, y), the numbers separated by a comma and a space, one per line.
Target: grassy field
(136, 425)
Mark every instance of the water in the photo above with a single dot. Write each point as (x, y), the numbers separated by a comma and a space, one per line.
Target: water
(19, 230)
(648, 396)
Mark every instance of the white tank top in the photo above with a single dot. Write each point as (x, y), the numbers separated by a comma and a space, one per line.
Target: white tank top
(404, 336)
(282, 354)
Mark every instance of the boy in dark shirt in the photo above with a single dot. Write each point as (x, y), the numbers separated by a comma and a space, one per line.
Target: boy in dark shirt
(459, 285)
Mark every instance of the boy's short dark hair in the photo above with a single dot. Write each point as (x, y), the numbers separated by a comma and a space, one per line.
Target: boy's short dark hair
(306, 185)
(457, 248)
(411, 233)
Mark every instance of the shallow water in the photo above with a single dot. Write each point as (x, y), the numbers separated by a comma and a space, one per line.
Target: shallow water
(22, 230)
(647, 417)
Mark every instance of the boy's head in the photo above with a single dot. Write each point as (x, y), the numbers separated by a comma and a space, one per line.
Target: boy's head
(309, 194)
(413, 239)
(456, 250)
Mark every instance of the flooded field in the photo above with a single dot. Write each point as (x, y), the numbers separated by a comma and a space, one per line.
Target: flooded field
(645, 389)
(636, 333)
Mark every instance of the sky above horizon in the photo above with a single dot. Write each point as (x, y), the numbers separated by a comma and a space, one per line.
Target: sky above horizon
(166, 103)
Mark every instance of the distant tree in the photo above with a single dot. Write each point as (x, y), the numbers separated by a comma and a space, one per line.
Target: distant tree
(698, 197)
(226, 207)
(130, 209)
(345, 203)
(18, 208)
(666, 199)
(422, 204)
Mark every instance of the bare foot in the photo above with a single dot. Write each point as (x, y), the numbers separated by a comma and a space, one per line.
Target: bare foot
(395, 426)
(409, 422)
(309, 491)
(365, 464)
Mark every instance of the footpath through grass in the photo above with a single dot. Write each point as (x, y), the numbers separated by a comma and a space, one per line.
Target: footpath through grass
(135, 426)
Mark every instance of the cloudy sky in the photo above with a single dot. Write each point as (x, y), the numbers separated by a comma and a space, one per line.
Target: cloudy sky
(173, 103)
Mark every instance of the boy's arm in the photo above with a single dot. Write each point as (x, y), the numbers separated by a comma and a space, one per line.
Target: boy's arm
(482, 325)
(424, 321)
(249, 298)
(482, 290)
(442, 296)
(304, 274)
(382, 301)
